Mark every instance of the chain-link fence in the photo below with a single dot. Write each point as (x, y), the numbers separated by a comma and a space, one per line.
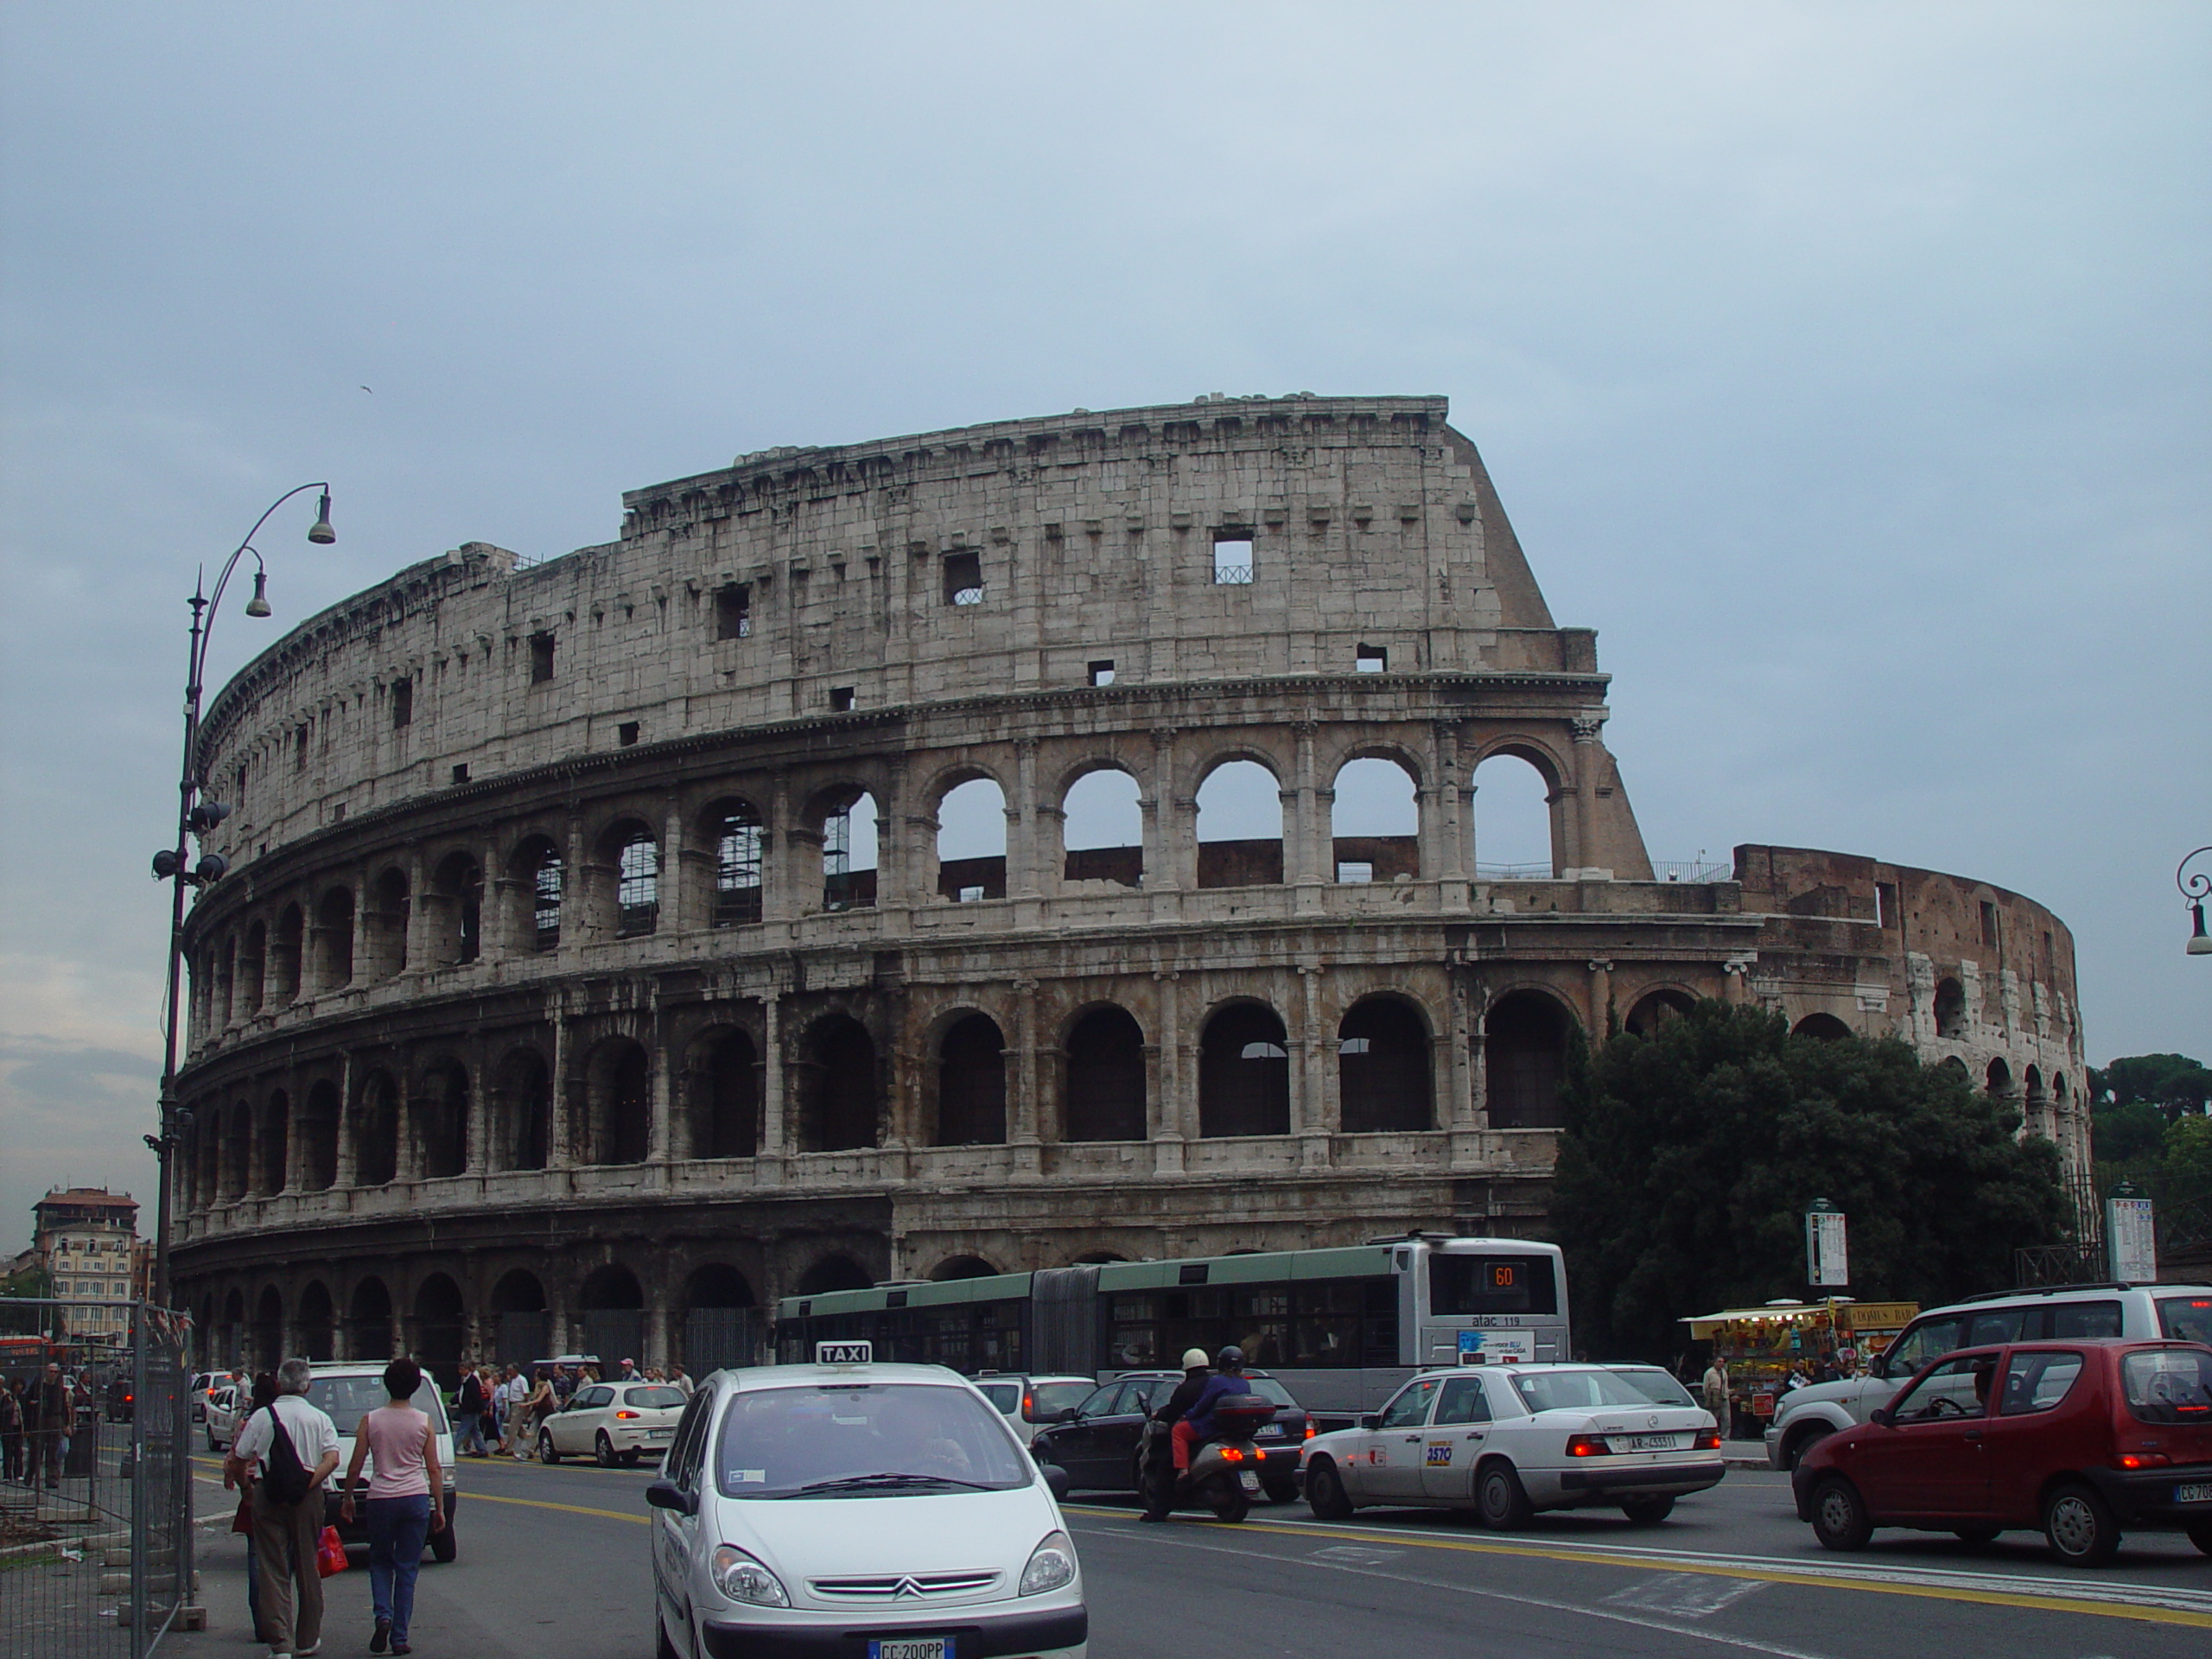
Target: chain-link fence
(95, 1493)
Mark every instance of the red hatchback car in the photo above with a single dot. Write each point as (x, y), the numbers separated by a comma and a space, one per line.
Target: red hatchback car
(2080, 1438)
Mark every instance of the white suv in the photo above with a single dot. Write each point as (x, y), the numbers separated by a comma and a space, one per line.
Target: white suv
(350, 1392)
(2181, 1312)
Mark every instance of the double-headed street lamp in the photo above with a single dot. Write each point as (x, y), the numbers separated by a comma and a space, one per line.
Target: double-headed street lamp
(196, 815)
(2194, 888)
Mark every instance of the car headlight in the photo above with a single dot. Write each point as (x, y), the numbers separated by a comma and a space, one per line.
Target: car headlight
(741, 1577)
(1052, 1565)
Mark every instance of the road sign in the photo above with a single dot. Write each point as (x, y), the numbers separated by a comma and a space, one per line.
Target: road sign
(1828, 1254)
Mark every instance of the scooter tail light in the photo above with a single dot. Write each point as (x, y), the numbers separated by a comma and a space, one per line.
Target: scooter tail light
(1588, 1445)
(1233, 1453)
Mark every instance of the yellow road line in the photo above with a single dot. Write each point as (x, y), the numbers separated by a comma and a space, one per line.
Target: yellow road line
(1764, 1575)
(571, 1509)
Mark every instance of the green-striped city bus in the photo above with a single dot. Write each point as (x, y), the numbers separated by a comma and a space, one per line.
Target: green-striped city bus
(1341, 1328)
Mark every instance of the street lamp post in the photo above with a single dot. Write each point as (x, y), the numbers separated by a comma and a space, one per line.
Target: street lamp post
(2194, 888)
(196, 815)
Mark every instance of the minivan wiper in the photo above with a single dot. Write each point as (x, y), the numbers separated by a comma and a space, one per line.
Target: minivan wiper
(881, 1483)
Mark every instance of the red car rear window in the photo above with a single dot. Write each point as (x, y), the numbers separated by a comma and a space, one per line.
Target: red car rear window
(2168, 1385)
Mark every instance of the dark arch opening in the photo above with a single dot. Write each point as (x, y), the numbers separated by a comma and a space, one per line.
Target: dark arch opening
(238, 1150)
(368, 1322)
(618, 1103)
(725, 1099)
(385, 927)
(1950, 1010)
(457, 901)
(721, 1324)
(284, 956)
(522, 1111)
(971, 1084)
(319, 1137)
(1654, 1009)
(442, 1120)
(1524, 1054)
(318, 1322)
(1382, 1069)
(234, 1331)
(838, 1091)
(1998, 1078)
(1243, 1073)
(1105, 1077)
(1823, 1027)
(376, 1132)
(269, 1330)
(962, 1266)
(334, 941)
(273, 1142)
(524, 1328)
(613, 1314)
(833, 1272)
(253, 957)
(440, 1325)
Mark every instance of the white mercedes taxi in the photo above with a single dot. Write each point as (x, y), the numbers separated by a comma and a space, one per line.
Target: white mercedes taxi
(849, 1509)
(1507, 1440)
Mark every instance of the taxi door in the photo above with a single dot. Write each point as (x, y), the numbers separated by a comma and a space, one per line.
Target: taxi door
(1454, 1440)
(1387, 1461)
(675, 1534)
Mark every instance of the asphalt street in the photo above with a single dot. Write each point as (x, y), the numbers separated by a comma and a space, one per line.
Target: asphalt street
(553, 1564)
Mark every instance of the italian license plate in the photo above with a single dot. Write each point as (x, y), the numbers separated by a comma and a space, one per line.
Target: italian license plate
(1271, 1430)
(658, 1433)
(1248, 1479)
(2198, 1491)
(1645, 1442)
(911, 1647)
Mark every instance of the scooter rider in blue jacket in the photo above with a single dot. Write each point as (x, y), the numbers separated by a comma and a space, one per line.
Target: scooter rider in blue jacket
(1228, 1378)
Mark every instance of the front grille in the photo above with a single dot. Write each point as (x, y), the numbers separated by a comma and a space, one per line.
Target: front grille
(914, 1586)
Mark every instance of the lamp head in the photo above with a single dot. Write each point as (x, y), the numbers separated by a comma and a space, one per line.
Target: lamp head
(258, 604)
(2200, 944)
(320, 533)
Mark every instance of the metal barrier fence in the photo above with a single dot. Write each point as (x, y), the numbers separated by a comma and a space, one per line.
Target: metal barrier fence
(95, 1485)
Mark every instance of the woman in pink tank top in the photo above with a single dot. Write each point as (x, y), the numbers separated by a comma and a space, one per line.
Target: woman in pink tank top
(402, 1511)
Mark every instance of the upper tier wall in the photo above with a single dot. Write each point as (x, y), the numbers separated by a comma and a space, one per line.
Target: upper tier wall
(1373, 527)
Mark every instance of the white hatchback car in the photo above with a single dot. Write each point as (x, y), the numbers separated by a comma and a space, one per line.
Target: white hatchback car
(222, 1406)
(1507, 1440)
(613, 1422)
(852, 1508)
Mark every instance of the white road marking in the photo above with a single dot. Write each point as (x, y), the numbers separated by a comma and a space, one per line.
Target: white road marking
(1685, 1595)
(1353, 1556)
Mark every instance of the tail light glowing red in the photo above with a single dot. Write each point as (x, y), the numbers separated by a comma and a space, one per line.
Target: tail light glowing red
(1588, 1445)
(1706, 1440)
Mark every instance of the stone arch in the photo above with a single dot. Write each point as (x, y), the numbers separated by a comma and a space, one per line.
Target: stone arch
(1950, 1010)
(1243, 1072)
(534, 867)
(522, 1111)
(1520, 807)
(1240, 824)
(1104, 1091)
(368, 1320)
(319, 1121)
(237, 1151)
(1824, 1027)
(441, 1119)
(1997, 1077)
(723, 1090)
(845, 820)
(722, 1318)
(1101, 826)
(733, 827)
(834, 1271)
(440, 1327)
(1655, 1008)
(1525, 1036)
(1375, 820)
(253, 957)
(269, 1329)
(961, 1267)
(616, 1125)
(272, 1142)
(631, 850)
(234, 1329)
(383, 928)
(1954, 1068)
(838, 1086)
(376, 1130)
(456, 902)
(971, 847)
(1386, 1078)
(334, 940)
(317, 1322)
(524, 1327)
(970, 1084)
(226, 963)
(284, 958)
(613, 1308)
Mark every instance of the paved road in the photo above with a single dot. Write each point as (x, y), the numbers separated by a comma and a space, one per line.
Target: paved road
(553, 1564)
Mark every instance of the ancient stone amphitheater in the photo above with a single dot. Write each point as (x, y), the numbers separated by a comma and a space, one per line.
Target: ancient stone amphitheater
(1044, 841)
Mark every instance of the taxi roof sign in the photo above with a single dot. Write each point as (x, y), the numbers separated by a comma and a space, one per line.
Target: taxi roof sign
(844, 1353)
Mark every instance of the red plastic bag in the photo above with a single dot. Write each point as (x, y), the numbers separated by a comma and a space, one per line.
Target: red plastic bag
(330, 1553)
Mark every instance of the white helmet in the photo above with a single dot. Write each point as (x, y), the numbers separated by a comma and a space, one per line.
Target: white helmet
(1194, 1359)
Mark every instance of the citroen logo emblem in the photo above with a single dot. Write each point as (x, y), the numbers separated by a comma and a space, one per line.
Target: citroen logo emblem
(907, 1587)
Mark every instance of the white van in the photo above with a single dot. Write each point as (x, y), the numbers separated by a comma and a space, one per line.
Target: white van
(2180, 1312)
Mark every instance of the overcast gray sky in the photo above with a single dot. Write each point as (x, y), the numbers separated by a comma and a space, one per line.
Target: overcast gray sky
(1845, 365)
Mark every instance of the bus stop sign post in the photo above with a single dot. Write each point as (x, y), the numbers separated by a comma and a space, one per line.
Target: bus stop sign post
(2131, 1235)
(1827, 1255)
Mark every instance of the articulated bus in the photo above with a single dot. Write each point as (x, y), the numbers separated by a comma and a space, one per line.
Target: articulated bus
(1341, 1328)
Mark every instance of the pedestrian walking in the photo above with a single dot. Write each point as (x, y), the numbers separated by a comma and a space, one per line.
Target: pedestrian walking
(1716, 1392)
(288, 1450)
(401, 1512)
(50, 1413)
(677, 1380)
(469, 1406)
(12, 1430)
(507, 1399)
(264, 1395)
(538, 1404)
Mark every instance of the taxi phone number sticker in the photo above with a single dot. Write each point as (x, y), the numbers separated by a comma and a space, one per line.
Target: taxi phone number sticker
(911, 1647)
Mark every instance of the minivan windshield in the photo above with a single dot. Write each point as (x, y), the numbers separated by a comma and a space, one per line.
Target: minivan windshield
(864, 1439)
(1574, 1390)
(348, 1399)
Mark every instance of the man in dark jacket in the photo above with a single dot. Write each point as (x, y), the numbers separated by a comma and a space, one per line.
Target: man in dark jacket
(1164, 1453)
(469, 1407)
(50, 1413)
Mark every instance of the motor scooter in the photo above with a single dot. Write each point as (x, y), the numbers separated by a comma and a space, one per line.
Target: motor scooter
(1224, 1475)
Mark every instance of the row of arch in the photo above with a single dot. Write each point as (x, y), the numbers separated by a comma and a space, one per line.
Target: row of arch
(629, 876)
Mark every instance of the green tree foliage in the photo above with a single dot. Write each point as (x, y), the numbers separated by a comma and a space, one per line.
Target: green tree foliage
(1690, 1157)
(2122, 1133)
(2173, 1083)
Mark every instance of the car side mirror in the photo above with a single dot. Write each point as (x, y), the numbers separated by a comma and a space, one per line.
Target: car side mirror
(1883, 1415)
(1057, 1480)
(1372, 1420)
(1065, 1414)
(667, 1495)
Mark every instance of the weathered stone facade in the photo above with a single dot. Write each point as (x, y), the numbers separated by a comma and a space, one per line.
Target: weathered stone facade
(550, 984)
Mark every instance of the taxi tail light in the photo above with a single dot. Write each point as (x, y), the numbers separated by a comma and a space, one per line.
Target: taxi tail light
(2142, 1461)
(1309, 1428)
(1706, 1440)
(1588, 1445)
(627, 1416)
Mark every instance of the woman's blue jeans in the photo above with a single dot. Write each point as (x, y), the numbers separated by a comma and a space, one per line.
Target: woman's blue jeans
(397, 1527)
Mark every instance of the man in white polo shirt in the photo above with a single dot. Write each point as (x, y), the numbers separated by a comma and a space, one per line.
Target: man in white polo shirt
(287, 1507)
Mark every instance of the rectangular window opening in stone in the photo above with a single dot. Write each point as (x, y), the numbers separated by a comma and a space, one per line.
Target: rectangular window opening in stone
(1885, 904)
(964, 578)
(402, 704)
(1372, 659)
(460, 773)
(541, 658)
(734, 611)
(626, 734)
(1102, 672)
(841, 699)
(299, 748)
(1355, 871)
(1988, 924)
(1232, 558)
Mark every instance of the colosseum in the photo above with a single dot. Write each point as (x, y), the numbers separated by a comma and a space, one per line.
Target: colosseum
(1044, 841)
